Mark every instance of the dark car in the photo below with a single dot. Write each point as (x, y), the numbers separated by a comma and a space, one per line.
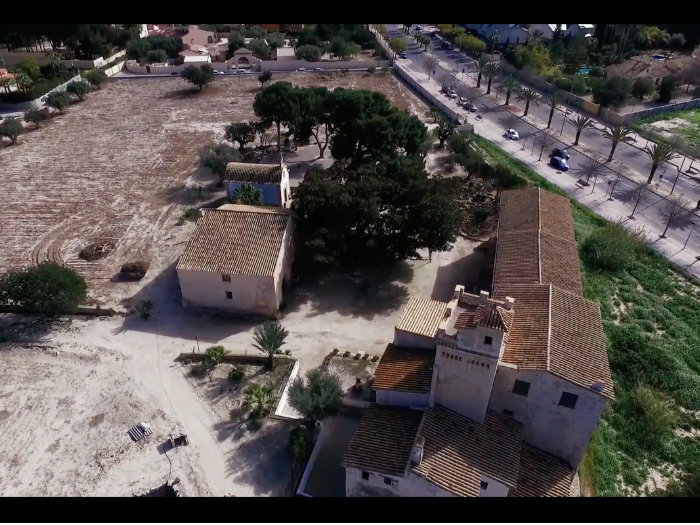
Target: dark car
(561, 153)
(559, 163)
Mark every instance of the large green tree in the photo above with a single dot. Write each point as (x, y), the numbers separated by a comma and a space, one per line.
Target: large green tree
(317, 398)
(277, 104)
(217, 156)
(200, 76)
(47, 288)
(241, 132)
(385, 208)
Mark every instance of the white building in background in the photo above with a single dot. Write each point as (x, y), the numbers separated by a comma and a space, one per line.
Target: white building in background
(491, 396)
(238, 260)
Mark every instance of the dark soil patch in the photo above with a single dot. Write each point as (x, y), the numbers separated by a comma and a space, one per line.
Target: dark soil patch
(96, 250)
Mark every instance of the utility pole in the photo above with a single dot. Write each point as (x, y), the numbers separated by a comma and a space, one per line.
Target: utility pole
(675, 180)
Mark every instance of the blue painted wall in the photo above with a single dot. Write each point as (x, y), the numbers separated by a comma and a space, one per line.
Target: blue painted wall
(270, 192)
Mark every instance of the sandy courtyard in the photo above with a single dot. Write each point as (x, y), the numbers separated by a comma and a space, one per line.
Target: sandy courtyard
(69, 392)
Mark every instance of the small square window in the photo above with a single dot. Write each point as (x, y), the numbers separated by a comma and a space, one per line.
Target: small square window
(365, 475)
(484, 485)
(488, 340)
(521, 387)
(229, 295)
(568, 400)
(508, 413)
(226, 278)
(388, 481)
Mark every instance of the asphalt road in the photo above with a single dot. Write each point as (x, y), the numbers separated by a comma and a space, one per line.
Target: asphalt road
(632, 157)
(623, 190)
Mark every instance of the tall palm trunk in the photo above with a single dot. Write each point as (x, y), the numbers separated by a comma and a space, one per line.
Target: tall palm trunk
(612, 151)
(551, 114)
(578, 134)
(488, 88)
(527, 108)
(653, 170)
(478, 80)
(507, 97)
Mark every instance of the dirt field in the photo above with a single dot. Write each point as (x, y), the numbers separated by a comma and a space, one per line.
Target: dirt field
(121, 166)
(65, 418)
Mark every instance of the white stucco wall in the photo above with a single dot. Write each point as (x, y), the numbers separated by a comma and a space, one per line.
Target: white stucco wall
(251, 294)
(561, 431)
(409, 340)
(409, 486)
(473, 339)
(402, 399)
(463, 385)
(200, 59)
(285, 190)
(494, 489)
(283, 267)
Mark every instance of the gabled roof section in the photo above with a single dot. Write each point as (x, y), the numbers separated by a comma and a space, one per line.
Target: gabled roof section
(457, 451)
(382, 442)
(253, 173)
(405, 370)
(422, 316)
(542, 475)
(236, 240)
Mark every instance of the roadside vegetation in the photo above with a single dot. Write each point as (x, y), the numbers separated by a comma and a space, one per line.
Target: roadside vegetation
(651, 315)
(686, 127)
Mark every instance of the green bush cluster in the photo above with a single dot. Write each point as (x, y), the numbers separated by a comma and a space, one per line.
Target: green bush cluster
(610, 248)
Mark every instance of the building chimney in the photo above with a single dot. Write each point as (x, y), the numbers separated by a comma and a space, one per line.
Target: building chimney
(483, 297)
(417, 451)
(459, 290)
(508, 304)
(598, 386)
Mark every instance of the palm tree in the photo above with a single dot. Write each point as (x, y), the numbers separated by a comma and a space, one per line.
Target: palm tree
(658, 153)
(260, 399)
(248, 194)
(507, 87)
(581, 122)
(490, 71)
(481, 65)
(528, 95)
(617, 133)
(553, 99)
(214, 357)
(269, 338)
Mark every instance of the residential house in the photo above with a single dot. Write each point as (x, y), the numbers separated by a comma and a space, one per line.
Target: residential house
(585, 30)
(238, 260)
(491, 396)
(197, 37)
(271, 179)
(506, 33)
(654, 68)
(195, 56)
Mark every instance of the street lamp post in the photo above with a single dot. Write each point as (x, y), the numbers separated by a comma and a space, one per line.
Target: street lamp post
(692, 225)
(675, 180)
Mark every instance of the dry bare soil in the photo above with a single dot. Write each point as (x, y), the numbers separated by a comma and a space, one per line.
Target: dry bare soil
(122, 166)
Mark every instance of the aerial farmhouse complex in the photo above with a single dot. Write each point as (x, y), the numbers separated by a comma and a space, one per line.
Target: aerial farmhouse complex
(491, 396)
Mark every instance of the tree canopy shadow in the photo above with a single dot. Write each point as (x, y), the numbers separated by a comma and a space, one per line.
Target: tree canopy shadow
(365, 293)
(474, 271)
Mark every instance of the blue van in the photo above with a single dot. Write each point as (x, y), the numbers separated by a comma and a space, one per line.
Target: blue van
(404, 54)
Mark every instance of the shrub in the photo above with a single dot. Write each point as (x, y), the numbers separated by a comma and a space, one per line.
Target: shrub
(650, 416)
(677, 40)
(58, 100)
(643, 87)
(667, 89)
(597, 71)
(613, 92)
(35, 116)
(318, 398)
(47, 288)
(610, 248)
(11, 128)
(144, 308)
(260, 399)
(236, 374)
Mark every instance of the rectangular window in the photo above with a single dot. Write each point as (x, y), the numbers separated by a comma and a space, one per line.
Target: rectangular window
(484, 485)
(568, 400)
(521, 387)
(508, 413)
(226, 278)
(229, 295)
(488, 340)
(365, 475)
(388, 481)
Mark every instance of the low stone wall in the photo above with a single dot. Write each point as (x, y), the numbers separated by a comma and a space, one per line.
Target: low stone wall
(116, 68)
(668, 108)
(234, 359)
(37, 103)
(406, 77)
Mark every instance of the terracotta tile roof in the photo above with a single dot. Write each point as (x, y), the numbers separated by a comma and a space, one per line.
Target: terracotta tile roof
(557, 331)
(542, 475)
(537, 257)
(458, 451)
(422, 316)
(236, 240)
(488, 316)
(383, 440)
(535, 209)
(405, 369)
(259, 173)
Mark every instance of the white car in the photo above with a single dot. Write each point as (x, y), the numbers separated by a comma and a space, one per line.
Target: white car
(301, 69)
(318, 69)
(511, 134)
